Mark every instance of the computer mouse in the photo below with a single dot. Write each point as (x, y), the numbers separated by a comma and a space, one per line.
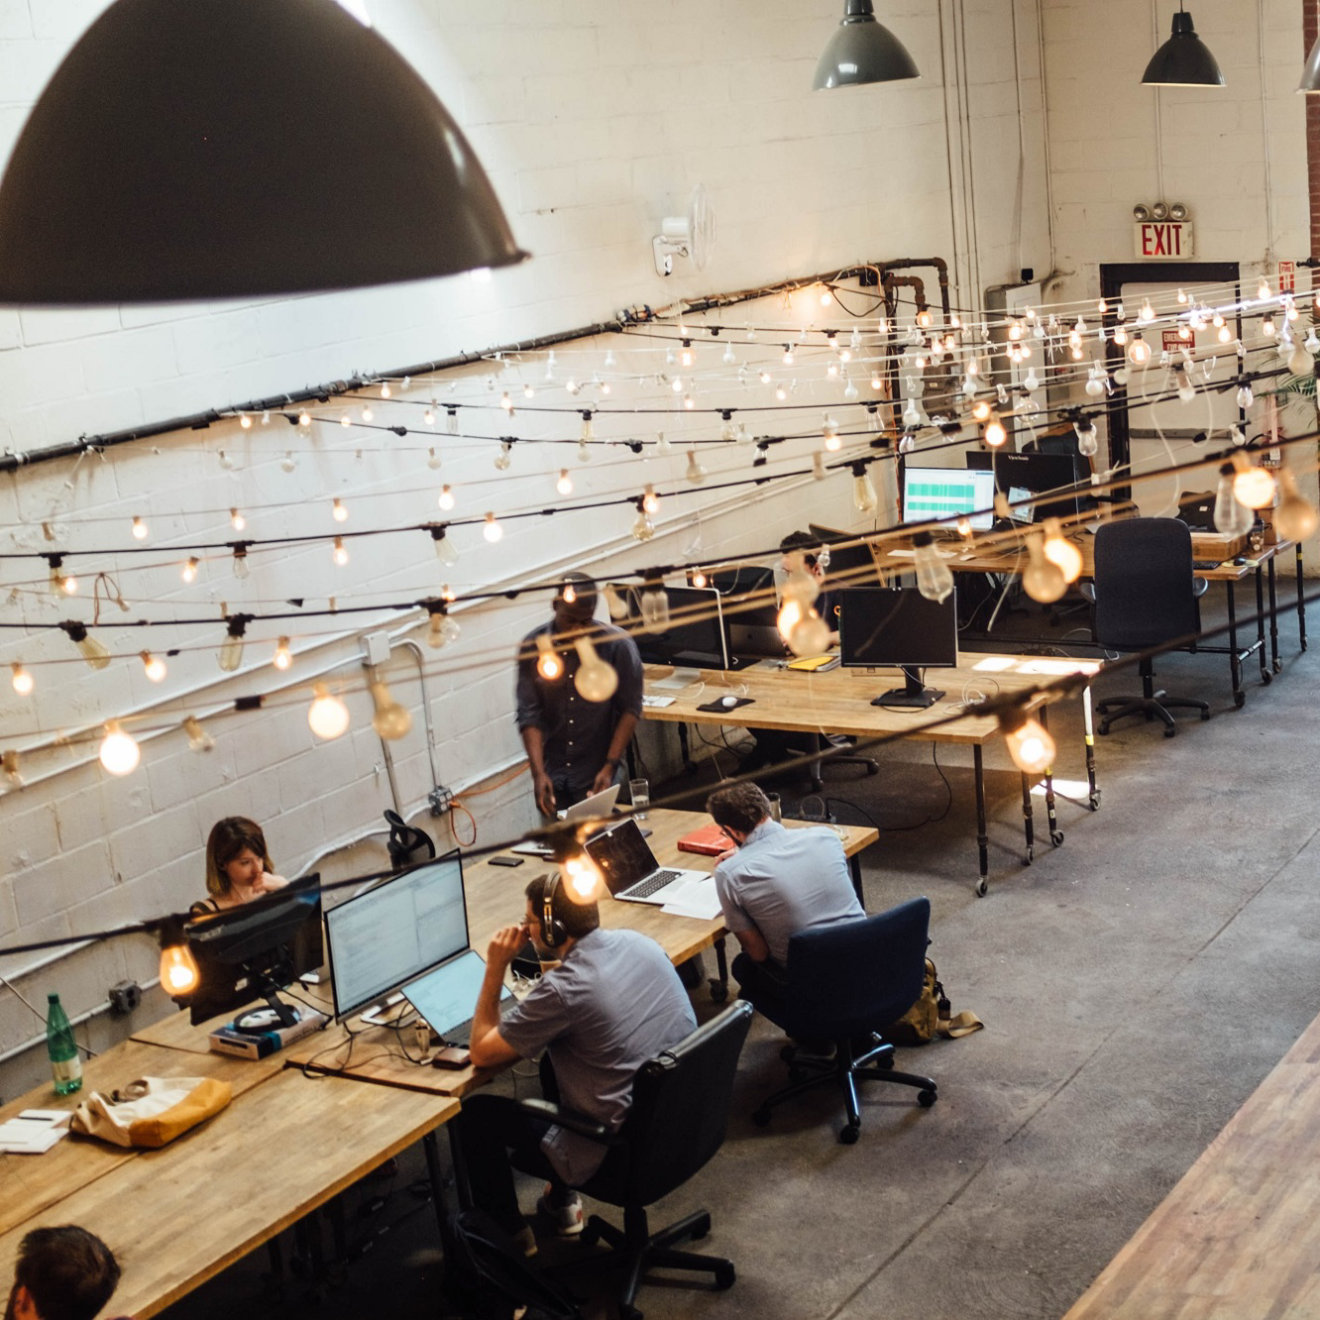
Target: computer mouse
(728, 702)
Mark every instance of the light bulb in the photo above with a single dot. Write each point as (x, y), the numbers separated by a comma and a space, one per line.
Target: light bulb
(699, 579)
(92, 651)
(444, 547)
(505, 457)
(548, 663)
(934, 580)
(615, 603)
(22, 680)
(391, 720)
(1245, 398)
(1263, 289)
(695, 473)
(283, 657)
(994, 434)
(120, 753)
(1043, 579)
(140, 531)
(1267, 327)
(818, 469)
(225, 461)
(443, 630)
(1120, 336)
(1060, 551)
(340, 552)
(1224, 334)
(338, 512)
(245, 421)
(428, 417)
(1095, 383)
(1138, 351)
(446, 498)
(1295, 518)
(304, 418)
(810, 635)
(799, 586)
(1186, 390)
(864, 496)
(327, 716)
(231, 650)
(1028, 742)
(1088, 440)
(1300, 361)
(153, 666)
(1031, 381)
(179, 974)
(506, 402)
(491, 529)
(198, 738)
(345, 420)
(1231, 517)
(911, 413)
(9, 771)
(1252, 486)
(189, 571)
(654, 606)
(650, 500)
(565, 483)
(582, 878)
(237, 521)
(595, 680)
(876, 382)
(787, 359)
(288, 462)
(240, 562)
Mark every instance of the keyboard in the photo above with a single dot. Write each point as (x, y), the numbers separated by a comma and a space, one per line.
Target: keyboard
(1201, 565)
(655, 881)
(656, 702)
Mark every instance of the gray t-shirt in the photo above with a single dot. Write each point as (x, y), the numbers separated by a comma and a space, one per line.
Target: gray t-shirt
(782, 881)
(612, 1004)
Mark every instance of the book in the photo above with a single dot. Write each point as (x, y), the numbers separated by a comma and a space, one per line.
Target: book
(814, 664)
(709, 841)
(258, 1044)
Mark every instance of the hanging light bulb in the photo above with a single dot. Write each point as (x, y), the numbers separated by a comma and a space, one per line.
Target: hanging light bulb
(391, 721)
(237, 521)
(810, 635)
(548, 662)
(338, 511)
(1088, 441)
(9, 771)
(1028, 742)
(1095, 382)
(864, 496)
(1186, 390)
(830, 434)
(695, 473)
(1245, 398)
(198, 738)
(340, 552)
(179, 974)
(442, 629)
(1295, 518)
(240, 561)
(565, 483)
(92, 651)
(1059, 550)
(283, 657)
(153, 666)
(119, 753)
(1043, 579)
(787, 359)
(643, 529)
(1231, 517)
(491, 529)
(451, 418)
(189, 570)
(245, 421)
(1120, 336)
(1267, 326)
(345, 420)
(877, 383)
(650, 500)
(934, 580)
(327, 716)
(22, 680)
(615, 603)
(1253, 486)
(139, 529)
(428, 417)
(231, 651)
(818, 469)
(911, 413)
(505, 457)
(596, 679)
(1300, 361)
(446, 498)
(654, 605)
(224, 460)
(662, 446)
(1138, 351)
(994, 433)
(288, 462)
(581, 876)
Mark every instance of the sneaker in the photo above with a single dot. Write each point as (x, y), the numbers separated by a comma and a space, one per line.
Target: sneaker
(567, 1217)
(524, 1240)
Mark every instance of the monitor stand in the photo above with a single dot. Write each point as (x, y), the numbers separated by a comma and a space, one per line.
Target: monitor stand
(913, 695)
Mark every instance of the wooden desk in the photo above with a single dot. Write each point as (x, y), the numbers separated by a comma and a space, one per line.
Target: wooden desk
(1238, 1238)
(839, 700)
(177, 1216)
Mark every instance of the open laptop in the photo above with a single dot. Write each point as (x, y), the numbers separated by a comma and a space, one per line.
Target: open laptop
(446, 996)
(596, 806)
(629, 866)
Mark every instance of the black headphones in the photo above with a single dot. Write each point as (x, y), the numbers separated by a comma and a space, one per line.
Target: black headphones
(553, 933)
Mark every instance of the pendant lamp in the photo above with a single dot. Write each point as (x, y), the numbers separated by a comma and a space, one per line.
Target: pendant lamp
(862, 51)
(1184, 60)
(190, 149)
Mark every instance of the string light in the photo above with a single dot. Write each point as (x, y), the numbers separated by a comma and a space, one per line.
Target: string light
(1295, 518)
(231, 650)
(994, 433)
(695, 473)
(596, 679)
(367, 414)
(198, 738)
(1138, 351)
(505, 457)
(491, 530)
(288, 462)
(245, 421)
(237, 521)
(9, 770)
(643, 529)
(391, 721)
(92, 651)
(653, 602)
(1028, 742)
(934, 578)
(446, 499)
(1042, 579)
(240, 562)
(140, 530)
(338, 512)
(582, 877)
(864, 494)
(548, 663)
(327, 717)
(829, 431)
(506, 403)
(1061, 551)
(442, 630)
(119, 753)
(179, 973)
(153, 666)
(340, 552)
(565, 483)
(283, 657)
(428, 417)
(444, 547)
(22, 680)
(1253, 486)
(650, 500)
(189, 570)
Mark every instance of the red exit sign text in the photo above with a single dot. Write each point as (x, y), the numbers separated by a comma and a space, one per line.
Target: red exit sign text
(1163, 240)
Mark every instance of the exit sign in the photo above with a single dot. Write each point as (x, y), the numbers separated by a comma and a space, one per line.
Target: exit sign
(1163, 240)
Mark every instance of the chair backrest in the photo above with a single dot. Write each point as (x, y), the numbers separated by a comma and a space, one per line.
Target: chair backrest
(1143, 583)
(856, 976)
(678, 1115)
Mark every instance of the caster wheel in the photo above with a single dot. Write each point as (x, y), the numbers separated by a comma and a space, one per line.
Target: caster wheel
(926, 1098)
(1169, 733)
(1205, 715)
(1278, 666)
(1095, 800)
(1239, 699)
(848, 1135)
(872, 769)
(1104, 731)
(761, 1117)
(1030, 857)
(981, 887)
(1266, 677)
(725, 1276)
(1056, 838)
(719, 991)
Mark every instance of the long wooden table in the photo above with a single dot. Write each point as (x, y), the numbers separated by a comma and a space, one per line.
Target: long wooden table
(839, 701)
(1238, 1238)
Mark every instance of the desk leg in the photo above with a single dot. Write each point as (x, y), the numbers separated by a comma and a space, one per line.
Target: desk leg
(1301, 600)
(1088, 737)
(1275, 663)
(1234, 659)
(1266, 676)
(436, 1176)
(982, 838)
(689, 765)
(1051, 815)
(719, 985)
(1028, 824)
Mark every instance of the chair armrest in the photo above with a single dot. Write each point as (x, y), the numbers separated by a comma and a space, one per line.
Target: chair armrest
(567, 1118)
(1200, 586)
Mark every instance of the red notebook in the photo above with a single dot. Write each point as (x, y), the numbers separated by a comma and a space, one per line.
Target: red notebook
(709, 841)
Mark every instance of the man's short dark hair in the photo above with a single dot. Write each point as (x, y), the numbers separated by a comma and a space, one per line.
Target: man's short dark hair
(802, 543)
(578, 919)
(740, 807)
(581, 600)
(69, 1272)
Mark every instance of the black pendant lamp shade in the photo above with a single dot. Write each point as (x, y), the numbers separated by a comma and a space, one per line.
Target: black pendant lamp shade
(862, 51)
(1184, 60)
(193, 149)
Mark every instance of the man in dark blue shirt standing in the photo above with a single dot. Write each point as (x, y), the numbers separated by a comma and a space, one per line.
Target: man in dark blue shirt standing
(576, 746)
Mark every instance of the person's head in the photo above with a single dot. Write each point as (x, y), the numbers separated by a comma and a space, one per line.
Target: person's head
(738, 809)
(804, 546)
(575, 602)
(61, 1273)
(575, 919)
(235, 855)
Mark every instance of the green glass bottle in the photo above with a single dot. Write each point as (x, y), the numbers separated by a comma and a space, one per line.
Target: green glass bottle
(65, 1065)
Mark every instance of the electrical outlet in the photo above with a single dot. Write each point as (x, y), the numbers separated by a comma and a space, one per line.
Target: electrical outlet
(124, 997)
(441, 799)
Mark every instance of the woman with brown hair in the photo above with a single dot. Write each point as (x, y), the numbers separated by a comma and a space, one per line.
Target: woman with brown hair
(238, 866)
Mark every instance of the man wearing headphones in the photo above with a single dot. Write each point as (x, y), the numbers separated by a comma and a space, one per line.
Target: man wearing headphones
(610, 1002)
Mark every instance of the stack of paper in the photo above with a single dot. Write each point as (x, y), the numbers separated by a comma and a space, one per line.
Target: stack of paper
(693, 898)
(34, 1131)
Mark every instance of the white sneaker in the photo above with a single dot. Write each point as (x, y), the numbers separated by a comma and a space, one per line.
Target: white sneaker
(568, 1219)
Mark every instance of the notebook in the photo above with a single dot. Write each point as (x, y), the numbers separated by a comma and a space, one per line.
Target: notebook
(590, 808)
(629, 866)
(446, 996)
(708, 841)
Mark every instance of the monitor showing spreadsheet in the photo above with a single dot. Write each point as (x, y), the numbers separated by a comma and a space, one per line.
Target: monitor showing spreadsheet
(933, 493)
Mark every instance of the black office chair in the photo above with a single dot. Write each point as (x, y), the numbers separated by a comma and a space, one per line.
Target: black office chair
(846, 981)
(1145, 594)
(406, 840)
(675, 1124)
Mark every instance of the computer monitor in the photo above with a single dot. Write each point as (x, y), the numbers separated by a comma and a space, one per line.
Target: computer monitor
(934, 493)
(887, 627)
(1037, 473)
(850, 565)
(696, 635)
(384, 936)
(253, 951)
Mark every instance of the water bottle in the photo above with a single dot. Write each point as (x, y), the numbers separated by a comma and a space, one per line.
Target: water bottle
(65, 1065)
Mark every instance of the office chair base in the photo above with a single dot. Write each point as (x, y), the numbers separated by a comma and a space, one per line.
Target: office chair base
(1153, 706)
(644, 1251)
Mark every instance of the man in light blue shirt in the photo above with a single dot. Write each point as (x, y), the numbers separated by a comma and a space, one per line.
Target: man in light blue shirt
(774, 883)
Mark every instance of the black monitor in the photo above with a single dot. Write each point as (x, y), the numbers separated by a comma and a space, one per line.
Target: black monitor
(696, 635)
(1022, 476)
(897, 627)
(387, 934)
(252, 952)
(852, 562)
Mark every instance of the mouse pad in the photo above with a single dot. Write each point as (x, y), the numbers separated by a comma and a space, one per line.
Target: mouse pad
(718, 707)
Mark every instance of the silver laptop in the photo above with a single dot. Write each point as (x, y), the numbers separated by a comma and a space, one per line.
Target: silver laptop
(629, 866)
(446, 996)
(597, 806)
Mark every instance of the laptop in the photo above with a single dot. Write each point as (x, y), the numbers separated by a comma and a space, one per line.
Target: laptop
(446, 996)
(629, 866)
(756, 640)
(590, 808)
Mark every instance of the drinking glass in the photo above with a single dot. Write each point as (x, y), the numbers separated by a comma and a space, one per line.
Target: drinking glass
(639, 794)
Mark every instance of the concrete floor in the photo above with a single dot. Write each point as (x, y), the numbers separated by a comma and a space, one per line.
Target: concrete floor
(1136, 983)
